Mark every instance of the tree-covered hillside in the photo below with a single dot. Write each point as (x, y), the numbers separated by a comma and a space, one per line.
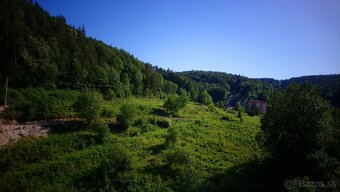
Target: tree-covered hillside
(39, 50)
(261, 88)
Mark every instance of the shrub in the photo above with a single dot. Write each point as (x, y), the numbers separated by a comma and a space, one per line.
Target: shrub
(211, 107)
(204, 98)
(102, 130)
(177, 156)
(254, 110)
(117, 160)
(127, 116)
(190, 180)
(239, 114)
(107, 113)
(172, 136)
(88, 105)
(30, 104)
(173, 104)
(109, 94)
(132, 131)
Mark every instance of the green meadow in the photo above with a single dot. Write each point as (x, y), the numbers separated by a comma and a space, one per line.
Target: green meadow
(209, 142)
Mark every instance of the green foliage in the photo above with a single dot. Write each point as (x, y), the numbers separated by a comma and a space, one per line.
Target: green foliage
(33, 104)
(228, 118)
(161, 122)
(173, 104)
(107, 113)
(204, 98)
(211, 107)
(170, 87)
(238, 106)
(133, 160)
(134, 181)
(31, 150)
(218, 94)
(190, 180)
(103, 131)
(128, 115)
(172, 136)
(44, 49)
(117, 160)
(239, 114)
(297, 129)
(178, 157)
(88, 105)
(164, 123)
(254, 110)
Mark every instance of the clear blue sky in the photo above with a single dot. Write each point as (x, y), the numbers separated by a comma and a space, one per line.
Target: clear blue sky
(255, 38)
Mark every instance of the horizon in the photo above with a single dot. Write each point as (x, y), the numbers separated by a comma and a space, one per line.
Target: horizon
(279, 40)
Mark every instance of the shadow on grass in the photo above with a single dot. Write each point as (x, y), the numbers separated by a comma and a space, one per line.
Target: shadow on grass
(116, 128)
(94, 180)
(59, 127)
(254, 175)
(159, 112)
(162, 170)
(155, 149)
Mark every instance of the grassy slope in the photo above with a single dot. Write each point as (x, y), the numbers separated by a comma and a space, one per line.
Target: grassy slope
(214, 145)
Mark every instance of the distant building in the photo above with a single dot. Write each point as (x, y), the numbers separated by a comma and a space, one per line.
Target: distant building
(256, 103)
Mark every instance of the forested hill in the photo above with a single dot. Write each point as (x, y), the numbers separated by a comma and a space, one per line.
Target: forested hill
(328, 86)
(39, 50)
(264, 88)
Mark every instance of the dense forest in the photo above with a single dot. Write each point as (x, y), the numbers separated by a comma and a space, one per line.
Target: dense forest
(116, 123)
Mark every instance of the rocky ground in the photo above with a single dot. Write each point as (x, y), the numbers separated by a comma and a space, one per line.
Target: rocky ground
(12, 131)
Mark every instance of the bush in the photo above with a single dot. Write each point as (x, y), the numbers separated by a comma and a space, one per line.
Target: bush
(211, 107)
(172, 136)
(133, 131)
(190, 180)
(88, 105)
(239, 114)
(254, 110)
(107, 113)
(117, 160)
(109, 94)
(204, 98)
(102, 130)
(127, 116)
(30, 104)
(173, 104)
(178, 156)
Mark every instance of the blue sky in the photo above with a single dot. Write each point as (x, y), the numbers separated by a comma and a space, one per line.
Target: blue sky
(254, 38)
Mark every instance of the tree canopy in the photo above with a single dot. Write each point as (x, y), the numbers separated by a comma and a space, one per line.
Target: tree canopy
(298, 131)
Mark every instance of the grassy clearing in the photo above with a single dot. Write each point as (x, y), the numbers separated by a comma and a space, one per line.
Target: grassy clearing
(211, 141)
